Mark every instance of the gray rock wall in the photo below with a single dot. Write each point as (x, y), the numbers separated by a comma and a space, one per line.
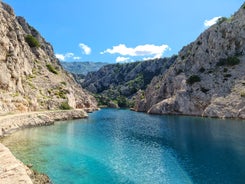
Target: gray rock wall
(208, 77)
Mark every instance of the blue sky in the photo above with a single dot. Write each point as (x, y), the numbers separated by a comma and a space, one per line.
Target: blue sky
(118, 31)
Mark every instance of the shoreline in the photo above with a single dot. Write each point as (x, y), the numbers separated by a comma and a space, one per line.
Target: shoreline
(12, 170)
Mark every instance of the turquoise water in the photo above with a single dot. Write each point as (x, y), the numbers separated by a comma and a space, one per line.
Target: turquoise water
(121, 146)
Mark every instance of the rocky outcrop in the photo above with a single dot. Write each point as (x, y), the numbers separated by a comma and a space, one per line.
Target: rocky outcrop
(32, 78)
(120, 81)
(13, 171)
(207, 78)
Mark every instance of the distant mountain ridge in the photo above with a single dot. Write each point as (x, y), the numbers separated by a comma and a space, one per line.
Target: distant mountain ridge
(119, 83)
(82, 67)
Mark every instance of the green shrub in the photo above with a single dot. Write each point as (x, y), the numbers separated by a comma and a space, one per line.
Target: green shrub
(65, 106)
(221, 20)
(204, 90)
(64, 83)
(32, 41)
(61, 94)
(227, 75)
(193, 79)
(230, 61)
(202, 70)
(122, 101)
(51, 69)
(179, 71)
(243, 94)
(199, 42)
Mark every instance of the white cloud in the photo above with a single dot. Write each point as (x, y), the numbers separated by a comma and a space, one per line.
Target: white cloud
(69, 55)
(64, 57)
(140, 50)
(123, 59)
(60, 57)
(208, 23)
(85, 49)
(76, 58)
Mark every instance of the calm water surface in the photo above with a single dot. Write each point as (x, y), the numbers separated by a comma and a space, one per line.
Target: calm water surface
(121, 146)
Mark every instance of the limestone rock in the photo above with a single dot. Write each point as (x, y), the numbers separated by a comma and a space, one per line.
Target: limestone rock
(32, 78)
(207, 78)
(12, 171)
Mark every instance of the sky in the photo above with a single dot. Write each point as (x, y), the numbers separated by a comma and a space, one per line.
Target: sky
(121, 31)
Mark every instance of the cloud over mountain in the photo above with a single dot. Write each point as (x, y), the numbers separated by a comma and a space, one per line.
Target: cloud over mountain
(208, 23)
(147, 50)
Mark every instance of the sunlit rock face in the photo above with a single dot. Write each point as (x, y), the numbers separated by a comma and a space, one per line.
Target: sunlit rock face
(207, 78)
(31, 77)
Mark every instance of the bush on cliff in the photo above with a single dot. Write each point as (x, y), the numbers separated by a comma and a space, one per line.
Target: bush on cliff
(32, 41)
(51, 69)
(193, 79)
(230, 61)
(65, 106)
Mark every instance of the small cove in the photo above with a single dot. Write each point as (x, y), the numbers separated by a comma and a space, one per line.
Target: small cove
(121, 146)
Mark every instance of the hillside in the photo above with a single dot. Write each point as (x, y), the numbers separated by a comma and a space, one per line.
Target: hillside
(82, 67)
(32, 78)
(207, 78)
(118, 83)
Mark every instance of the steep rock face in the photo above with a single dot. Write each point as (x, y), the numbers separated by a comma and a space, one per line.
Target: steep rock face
(31, 77)
(208, 77)
(124, 80)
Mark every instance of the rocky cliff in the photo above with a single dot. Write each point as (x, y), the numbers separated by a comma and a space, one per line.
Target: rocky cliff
(120, 82)
(207, 78)
(31, 77)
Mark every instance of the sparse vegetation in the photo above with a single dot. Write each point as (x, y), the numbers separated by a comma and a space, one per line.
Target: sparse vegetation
(61, 94)
(199, 42)
(221, 20)
(193, 79)
(15, 94)
(65, 106)
(122, 101)
(64, 83)
(31, 85)
(204, 90)
(179, 72)
(230, 61)
(52, 69)
(32, 41)
(227, 75)
(142, 95)
(202, 70)
(243, 94)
